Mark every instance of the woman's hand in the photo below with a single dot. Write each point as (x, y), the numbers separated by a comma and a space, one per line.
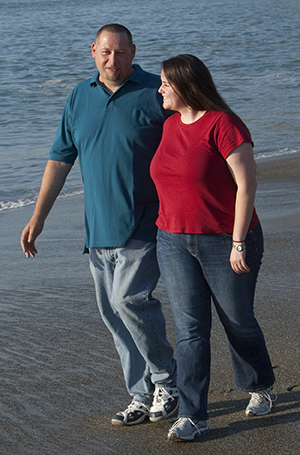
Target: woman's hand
(238, 260)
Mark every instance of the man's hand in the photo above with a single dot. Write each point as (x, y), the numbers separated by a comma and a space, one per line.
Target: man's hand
(28, 237)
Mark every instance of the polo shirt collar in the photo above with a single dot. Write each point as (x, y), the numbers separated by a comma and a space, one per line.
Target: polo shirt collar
(137, 76)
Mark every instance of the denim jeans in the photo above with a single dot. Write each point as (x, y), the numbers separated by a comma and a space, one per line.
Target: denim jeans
(195, 270)
(124, 280)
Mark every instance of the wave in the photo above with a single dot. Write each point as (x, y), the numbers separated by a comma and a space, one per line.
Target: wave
(277, 153)
(32, 200)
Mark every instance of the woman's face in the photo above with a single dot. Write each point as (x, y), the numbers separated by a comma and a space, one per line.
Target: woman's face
(170, 98)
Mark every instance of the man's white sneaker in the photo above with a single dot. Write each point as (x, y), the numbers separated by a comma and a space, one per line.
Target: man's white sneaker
(184, 429)
(135, 413)
(165, 403)
(261, 402)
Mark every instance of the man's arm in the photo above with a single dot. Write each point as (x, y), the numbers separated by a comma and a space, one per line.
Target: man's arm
(53, 180)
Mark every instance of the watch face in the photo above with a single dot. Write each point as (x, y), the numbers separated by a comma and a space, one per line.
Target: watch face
(239, 248)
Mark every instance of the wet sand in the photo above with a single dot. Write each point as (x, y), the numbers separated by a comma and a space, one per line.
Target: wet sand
(61, 381)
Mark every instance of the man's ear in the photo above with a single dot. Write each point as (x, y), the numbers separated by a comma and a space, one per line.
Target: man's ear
(133, 51)
(93, 49)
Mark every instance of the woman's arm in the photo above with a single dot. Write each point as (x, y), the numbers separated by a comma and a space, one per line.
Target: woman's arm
(242, 167)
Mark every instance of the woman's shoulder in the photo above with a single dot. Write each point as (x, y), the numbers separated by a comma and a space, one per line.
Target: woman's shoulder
(221, 116)
(229, 118)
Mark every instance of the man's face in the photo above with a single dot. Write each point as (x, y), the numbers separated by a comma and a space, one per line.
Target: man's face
(113, 56)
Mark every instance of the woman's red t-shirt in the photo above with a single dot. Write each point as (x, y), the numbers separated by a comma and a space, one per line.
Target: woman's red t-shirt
(195, 187)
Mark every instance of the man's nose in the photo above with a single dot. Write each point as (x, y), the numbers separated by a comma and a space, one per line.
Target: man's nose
(112, 58)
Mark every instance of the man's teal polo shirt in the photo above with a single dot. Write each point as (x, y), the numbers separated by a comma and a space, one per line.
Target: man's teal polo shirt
(115, 137)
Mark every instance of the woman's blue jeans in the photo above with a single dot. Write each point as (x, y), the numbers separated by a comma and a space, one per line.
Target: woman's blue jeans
(124, 280)
(195, 269)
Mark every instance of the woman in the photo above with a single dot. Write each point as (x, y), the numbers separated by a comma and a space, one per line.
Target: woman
(210, 242)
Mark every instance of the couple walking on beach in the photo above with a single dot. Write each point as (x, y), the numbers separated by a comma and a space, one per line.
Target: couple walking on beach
(209, 240)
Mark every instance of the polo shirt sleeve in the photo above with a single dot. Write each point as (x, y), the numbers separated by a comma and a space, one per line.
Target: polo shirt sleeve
(230, 134)
(63, 148)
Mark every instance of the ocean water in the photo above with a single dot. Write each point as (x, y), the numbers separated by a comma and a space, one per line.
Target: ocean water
(251, 48)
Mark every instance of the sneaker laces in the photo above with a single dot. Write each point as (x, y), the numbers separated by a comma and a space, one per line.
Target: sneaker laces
(181, 420)
(134, 406)
(195, 425)
(161, 395)
(268, 394)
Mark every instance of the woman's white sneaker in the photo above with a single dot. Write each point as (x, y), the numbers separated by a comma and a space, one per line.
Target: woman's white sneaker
(261, 402)
(184, 429)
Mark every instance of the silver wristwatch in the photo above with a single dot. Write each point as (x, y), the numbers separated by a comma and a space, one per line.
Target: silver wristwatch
(239, 247)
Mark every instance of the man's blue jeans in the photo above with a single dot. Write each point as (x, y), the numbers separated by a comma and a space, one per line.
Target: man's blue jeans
(125, 279)
(195, 268)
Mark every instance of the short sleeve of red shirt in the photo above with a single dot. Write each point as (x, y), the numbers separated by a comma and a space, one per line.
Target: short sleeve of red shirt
(229, 134)
(195, 187)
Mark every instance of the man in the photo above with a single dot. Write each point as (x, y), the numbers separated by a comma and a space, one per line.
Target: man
(113, 123)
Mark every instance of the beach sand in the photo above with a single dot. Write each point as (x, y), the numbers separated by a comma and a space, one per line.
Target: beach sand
(61, 380)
